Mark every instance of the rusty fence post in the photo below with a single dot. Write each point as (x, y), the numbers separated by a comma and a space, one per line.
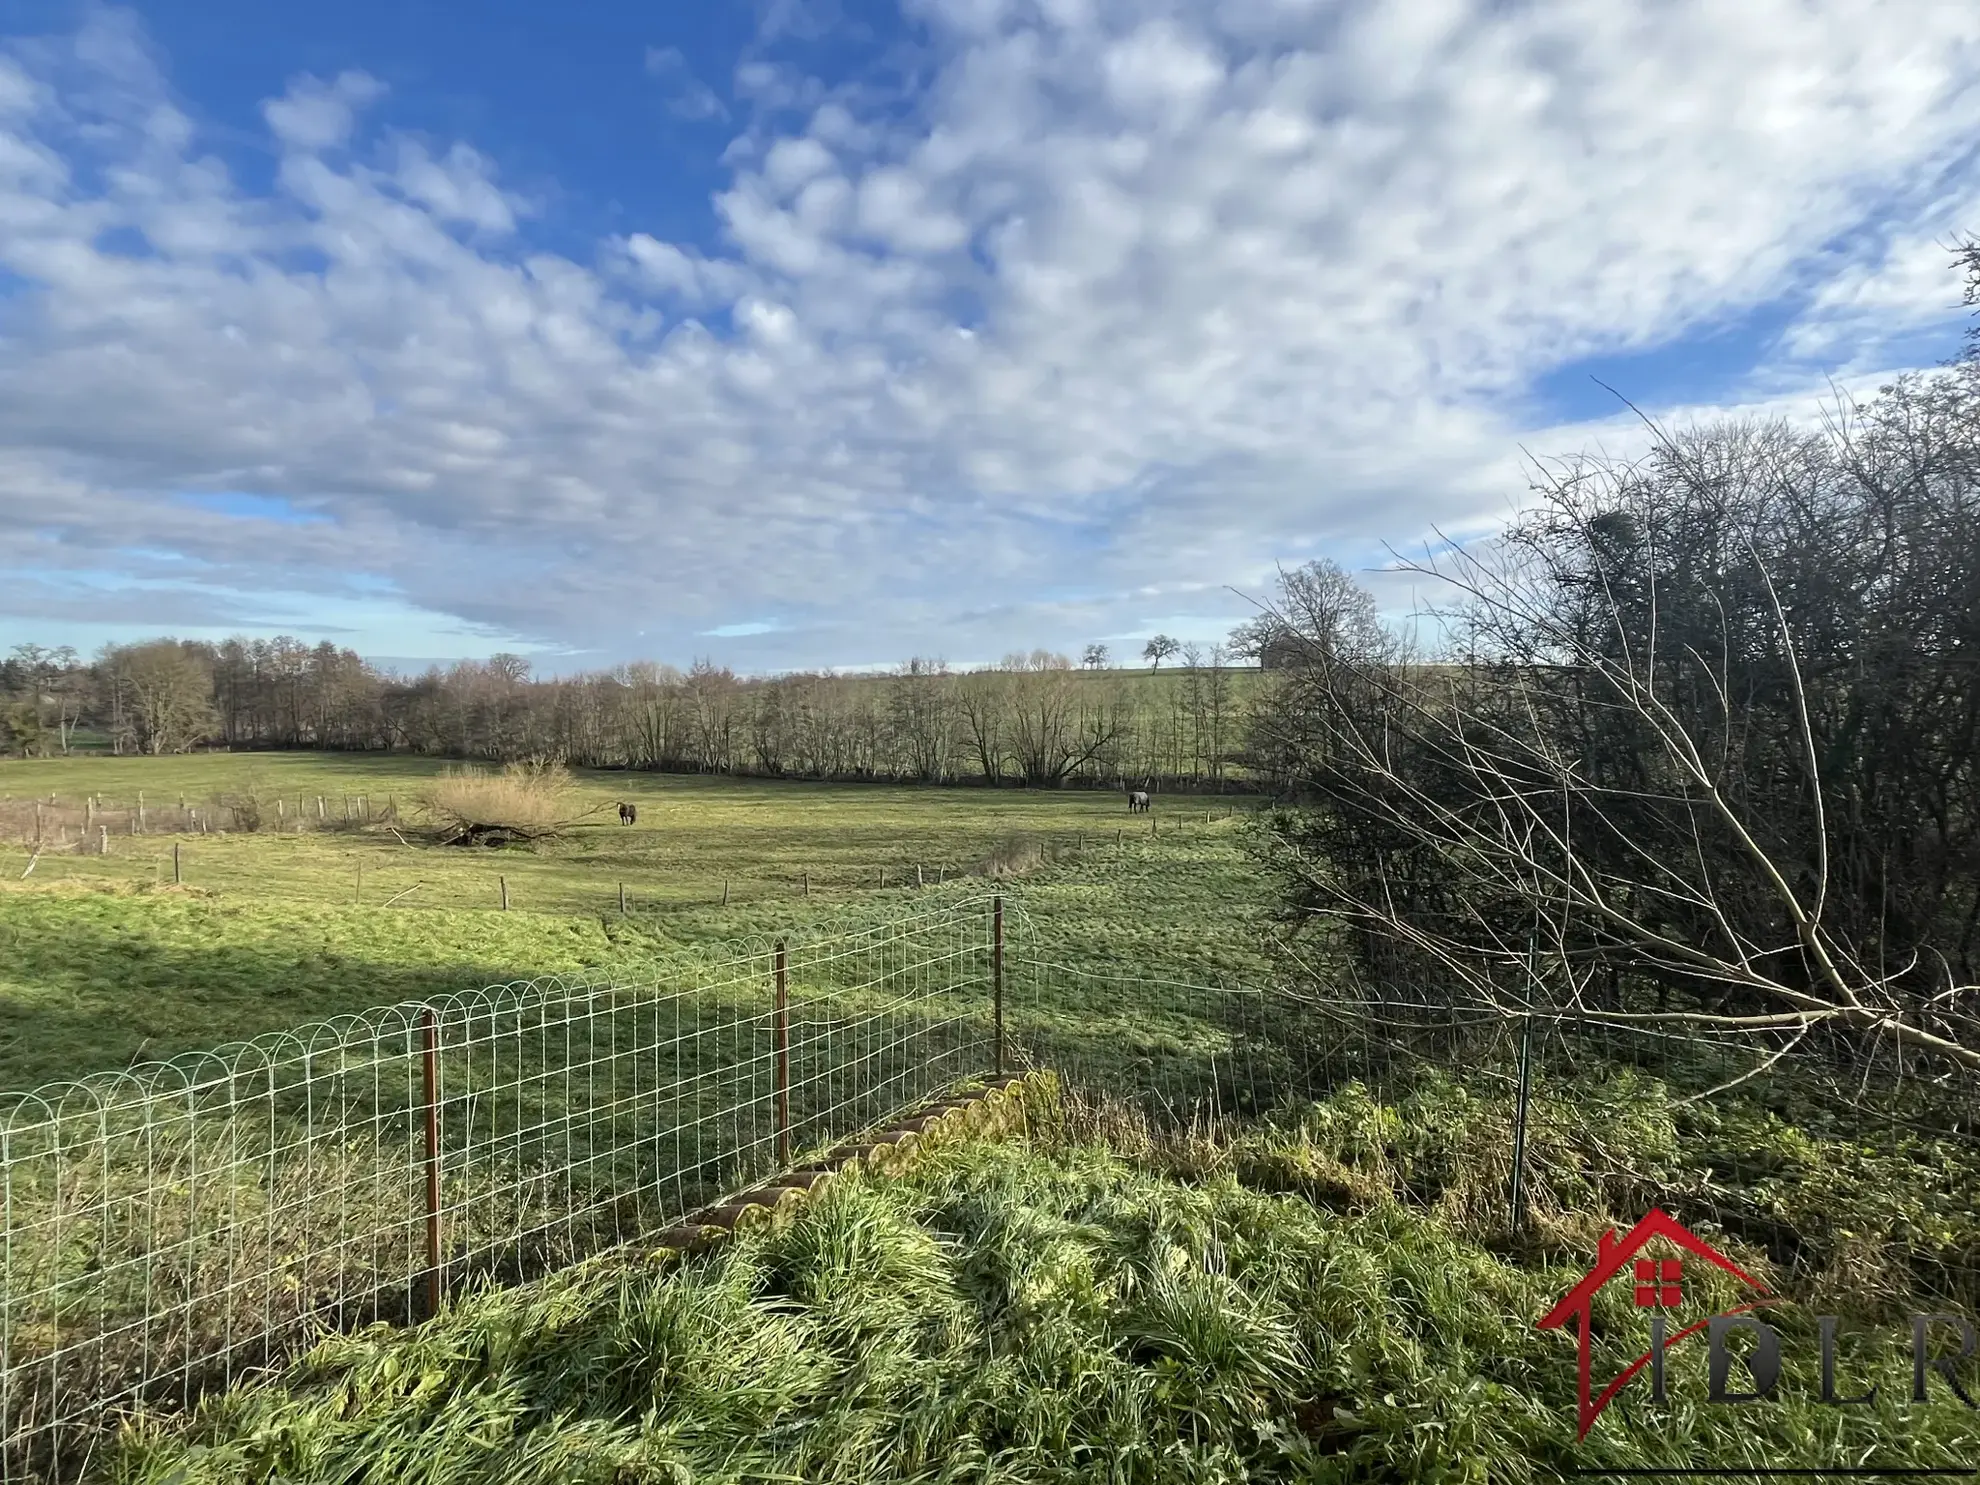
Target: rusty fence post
(436, 1280)
(997, 974)
(783, 1035)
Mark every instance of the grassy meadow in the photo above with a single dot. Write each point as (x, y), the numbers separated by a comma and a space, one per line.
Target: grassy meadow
(1332, 1293)
(103, 959)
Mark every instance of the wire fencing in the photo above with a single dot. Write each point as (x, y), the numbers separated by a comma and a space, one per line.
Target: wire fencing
(167, 1229)
(92, 821)
(1855, 1167)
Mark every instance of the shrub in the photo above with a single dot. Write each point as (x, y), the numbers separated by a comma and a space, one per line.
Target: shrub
(524, 802)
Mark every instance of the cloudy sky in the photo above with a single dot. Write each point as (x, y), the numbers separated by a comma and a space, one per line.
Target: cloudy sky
(835, 331)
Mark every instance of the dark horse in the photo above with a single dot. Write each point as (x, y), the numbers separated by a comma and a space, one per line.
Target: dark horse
(628, 814)
(1137, 800)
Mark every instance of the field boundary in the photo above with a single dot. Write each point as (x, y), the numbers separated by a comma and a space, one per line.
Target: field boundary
(167, 1229)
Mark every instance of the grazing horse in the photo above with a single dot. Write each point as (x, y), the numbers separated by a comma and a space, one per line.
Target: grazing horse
(628, 814)
(1137, 800)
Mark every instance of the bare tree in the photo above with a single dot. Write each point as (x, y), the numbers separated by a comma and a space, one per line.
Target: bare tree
(1702, 754)
(1094, 657)
(1318, 609)
(1158, 649)
(163, 691)
(982, 700)
(1055, 723)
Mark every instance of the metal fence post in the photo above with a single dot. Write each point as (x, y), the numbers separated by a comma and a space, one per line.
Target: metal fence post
(436, 1284)
(783, 1036)
(1519, 1123)
(997, 974)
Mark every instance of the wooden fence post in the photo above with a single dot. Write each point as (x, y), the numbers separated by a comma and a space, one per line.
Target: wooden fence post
(783, 1034)
(140, 813)
(503, 883)
(725, 891)
(622, 899)
(177, 875)
(103, 840)
(436, 1286)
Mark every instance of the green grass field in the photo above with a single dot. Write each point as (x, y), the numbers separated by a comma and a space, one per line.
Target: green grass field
(102, 959)
(1333, 1294)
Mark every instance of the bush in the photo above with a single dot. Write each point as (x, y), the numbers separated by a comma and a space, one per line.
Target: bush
(524, 802)
(244, 808)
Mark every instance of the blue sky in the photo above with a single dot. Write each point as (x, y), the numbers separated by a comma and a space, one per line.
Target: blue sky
(811, 333)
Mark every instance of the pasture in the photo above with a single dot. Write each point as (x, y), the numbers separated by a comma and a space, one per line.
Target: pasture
(1333, 1292)
(103, 959)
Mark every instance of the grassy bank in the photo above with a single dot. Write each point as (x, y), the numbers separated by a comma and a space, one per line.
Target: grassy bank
(1320, 1300)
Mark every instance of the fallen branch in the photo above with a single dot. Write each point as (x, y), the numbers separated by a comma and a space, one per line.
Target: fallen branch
(33, 861)
(413, 888)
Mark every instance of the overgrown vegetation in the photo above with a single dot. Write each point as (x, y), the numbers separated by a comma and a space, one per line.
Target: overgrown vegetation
(1325, 1299)
(533, 800)
(1706, 745)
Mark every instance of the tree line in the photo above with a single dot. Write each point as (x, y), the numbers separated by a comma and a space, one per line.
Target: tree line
(1035, 719)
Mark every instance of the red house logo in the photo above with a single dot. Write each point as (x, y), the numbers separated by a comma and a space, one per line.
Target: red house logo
(1658, 1285)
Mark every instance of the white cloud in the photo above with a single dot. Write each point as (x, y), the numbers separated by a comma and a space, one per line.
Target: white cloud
(1244, 282)
(687, 96)
(315, 115)
(456, 189)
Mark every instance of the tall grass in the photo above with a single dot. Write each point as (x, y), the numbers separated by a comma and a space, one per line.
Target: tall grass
(1103, 1302)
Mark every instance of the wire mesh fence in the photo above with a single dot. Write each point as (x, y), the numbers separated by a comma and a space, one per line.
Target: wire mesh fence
(94, 822)
(167, 1229)
(1855, 1168)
